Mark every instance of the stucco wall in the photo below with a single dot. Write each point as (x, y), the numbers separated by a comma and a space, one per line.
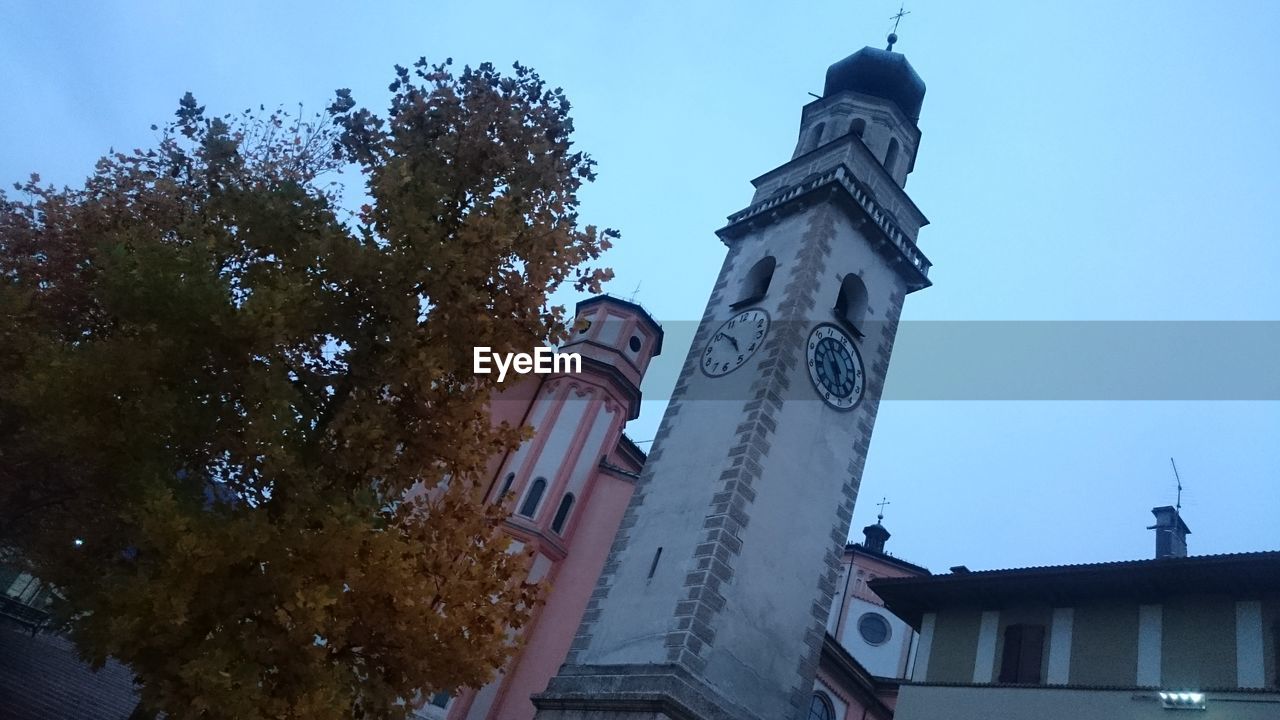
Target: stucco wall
(1271, 638)
(955, 643)
(1104, 644)
(548, 642)
(1200, 641)
(1199, 647)
(853, 598)
(921, 702)
(888, 659)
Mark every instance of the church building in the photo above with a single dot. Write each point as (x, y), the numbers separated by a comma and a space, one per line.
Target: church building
(711, 578)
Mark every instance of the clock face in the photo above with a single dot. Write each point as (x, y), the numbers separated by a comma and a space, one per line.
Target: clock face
(835, 367)
(735, 342)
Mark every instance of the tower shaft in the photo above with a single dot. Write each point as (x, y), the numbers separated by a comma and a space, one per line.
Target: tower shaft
(714, 599)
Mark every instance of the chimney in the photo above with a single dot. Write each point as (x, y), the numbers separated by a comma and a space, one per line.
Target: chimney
(1171, 532)
(875, 536)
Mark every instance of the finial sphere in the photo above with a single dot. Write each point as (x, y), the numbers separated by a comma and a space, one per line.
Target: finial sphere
(893, 38)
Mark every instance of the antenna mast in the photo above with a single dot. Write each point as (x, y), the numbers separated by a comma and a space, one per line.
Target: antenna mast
(1177, 508)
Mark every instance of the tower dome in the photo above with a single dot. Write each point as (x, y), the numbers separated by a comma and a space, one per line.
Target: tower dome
(879, 73)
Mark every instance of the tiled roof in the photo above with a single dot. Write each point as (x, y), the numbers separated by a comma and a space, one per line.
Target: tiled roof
(1146, 580)
(887, 557)
(42, 678)
(626, 444)
(1116, 564)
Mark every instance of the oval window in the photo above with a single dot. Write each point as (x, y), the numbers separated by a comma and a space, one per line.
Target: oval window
(873, 628)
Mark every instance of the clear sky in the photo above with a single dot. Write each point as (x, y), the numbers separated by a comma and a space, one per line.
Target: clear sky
(1081, 160)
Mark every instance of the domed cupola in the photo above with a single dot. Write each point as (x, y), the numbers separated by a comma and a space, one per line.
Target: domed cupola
(879, 73)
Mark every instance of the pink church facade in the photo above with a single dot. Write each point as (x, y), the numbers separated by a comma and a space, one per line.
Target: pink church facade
(568, 488)
(868, 650)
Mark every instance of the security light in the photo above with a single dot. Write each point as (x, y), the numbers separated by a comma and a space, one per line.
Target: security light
(1181, 700)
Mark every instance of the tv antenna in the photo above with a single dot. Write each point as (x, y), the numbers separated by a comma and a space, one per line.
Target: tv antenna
(1177, 508)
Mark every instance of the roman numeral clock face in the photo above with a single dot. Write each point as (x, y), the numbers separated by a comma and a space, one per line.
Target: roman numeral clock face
(835, 367)
(735, 342)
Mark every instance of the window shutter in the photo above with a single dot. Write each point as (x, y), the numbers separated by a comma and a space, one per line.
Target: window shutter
(1029, 656)
(1020, 658)
(1275, 631)
(1009, 656)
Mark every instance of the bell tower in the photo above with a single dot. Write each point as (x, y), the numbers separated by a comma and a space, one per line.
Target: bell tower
(718, 585)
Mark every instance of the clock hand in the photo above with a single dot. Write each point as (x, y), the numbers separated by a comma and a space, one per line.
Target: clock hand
(726, 336)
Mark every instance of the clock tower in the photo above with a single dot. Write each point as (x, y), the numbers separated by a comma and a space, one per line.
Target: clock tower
(718, 585)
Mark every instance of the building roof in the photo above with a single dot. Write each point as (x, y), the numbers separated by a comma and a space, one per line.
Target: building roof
(886, 557)
(1238, 574)
(42, 677)
(629, 447)
(879, 73)
(606, 298)
(851, 677)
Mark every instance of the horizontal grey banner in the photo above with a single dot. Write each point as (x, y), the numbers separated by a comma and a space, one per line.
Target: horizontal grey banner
(1026, 360)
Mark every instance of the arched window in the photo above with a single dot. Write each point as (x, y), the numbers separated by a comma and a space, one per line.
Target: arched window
(891, 156)
(851, 303)
(820, 708)
(506, 485)
(756, 283)
(562, 513)
(858, 126)
(816, 138)
(534, 497)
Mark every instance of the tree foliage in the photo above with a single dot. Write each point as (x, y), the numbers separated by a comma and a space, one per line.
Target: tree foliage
(239, 429)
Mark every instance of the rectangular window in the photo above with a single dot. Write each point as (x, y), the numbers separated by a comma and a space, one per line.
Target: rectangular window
(1020, 660)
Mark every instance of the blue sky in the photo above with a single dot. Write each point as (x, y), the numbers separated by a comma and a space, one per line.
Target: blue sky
(1081, 160)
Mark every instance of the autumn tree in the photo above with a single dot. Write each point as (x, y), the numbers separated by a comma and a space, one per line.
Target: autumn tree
(239, 428)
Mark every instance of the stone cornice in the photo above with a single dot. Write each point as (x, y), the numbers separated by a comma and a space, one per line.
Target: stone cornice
(529, 533)
(871, 161)
(618, 471)
(670, 690)
(894, 244)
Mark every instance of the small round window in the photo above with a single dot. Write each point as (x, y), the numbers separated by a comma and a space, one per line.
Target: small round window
(635, 343)
(873, 628)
